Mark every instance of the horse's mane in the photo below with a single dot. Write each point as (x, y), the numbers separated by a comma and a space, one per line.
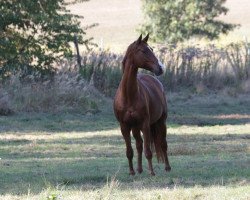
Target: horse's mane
(123, 63)
(130, 50)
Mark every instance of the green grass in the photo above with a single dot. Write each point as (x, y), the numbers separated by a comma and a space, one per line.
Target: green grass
(70, 156)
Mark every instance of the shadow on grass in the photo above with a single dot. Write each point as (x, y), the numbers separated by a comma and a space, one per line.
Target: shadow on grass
(99, 122)
(44, 122)
(209, 111)
(184, 109)
(210, 120)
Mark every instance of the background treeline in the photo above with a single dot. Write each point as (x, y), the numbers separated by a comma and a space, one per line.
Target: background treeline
(197, 69)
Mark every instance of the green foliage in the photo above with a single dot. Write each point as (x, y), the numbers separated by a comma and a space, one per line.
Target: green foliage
(175, 20)
(36, 34)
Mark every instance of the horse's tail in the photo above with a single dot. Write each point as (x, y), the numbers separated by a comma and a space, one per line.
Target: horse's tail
(158, 135)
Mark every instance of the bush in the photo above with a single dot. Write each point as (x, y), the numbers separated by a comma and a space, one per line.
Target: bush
(5, 108)
(213, 67)
(102, 70)
(67, 92)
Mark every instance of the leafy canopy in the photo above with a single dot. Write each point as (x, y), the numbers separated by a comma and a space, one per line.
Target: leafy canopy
(175, 20)
(36, 34)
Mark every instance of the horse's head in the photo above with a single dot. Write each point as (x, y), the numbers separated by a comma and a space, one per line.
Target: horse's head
(142, 56)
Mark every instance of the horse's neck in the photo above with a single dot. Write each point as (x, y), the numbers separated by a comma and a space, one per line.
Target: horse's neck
(129, 83)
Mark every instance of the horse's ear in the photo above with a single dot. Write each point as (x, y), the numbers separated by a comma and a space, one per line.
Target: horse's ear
(139, 39)
(146, 38)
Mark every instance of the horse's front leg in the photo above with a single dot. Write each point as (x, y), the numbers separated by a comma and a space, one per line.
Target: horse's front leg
(129, 151)
(139, 146)
(147, 143)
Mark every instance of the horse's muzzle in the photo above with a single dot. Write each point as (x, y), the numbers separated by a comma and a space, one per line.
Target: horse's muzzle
(158, 71)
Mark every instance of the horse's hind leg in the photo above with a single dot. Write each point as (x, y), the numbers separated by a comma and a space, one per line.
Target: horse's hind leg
(147, 143)
(129, 151)
(164, 145)
(139, 146)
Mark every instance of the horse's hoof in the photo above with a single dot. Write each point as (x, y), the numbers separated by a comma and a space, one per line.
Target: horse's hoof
(132, 173)
(139, 171)
(168, 169)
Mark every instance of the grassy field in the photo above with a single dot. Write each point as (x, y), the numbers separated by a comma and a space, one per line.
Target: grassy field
(118, 21)
(71, 156)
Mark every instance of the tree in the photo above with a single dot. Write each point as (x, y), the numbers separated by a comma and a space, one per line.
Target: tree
(36, 34)
(175, 20)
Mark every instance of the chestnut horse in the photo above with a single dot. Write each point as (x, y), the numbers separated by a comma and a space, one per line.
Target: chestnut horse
(140, 105)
